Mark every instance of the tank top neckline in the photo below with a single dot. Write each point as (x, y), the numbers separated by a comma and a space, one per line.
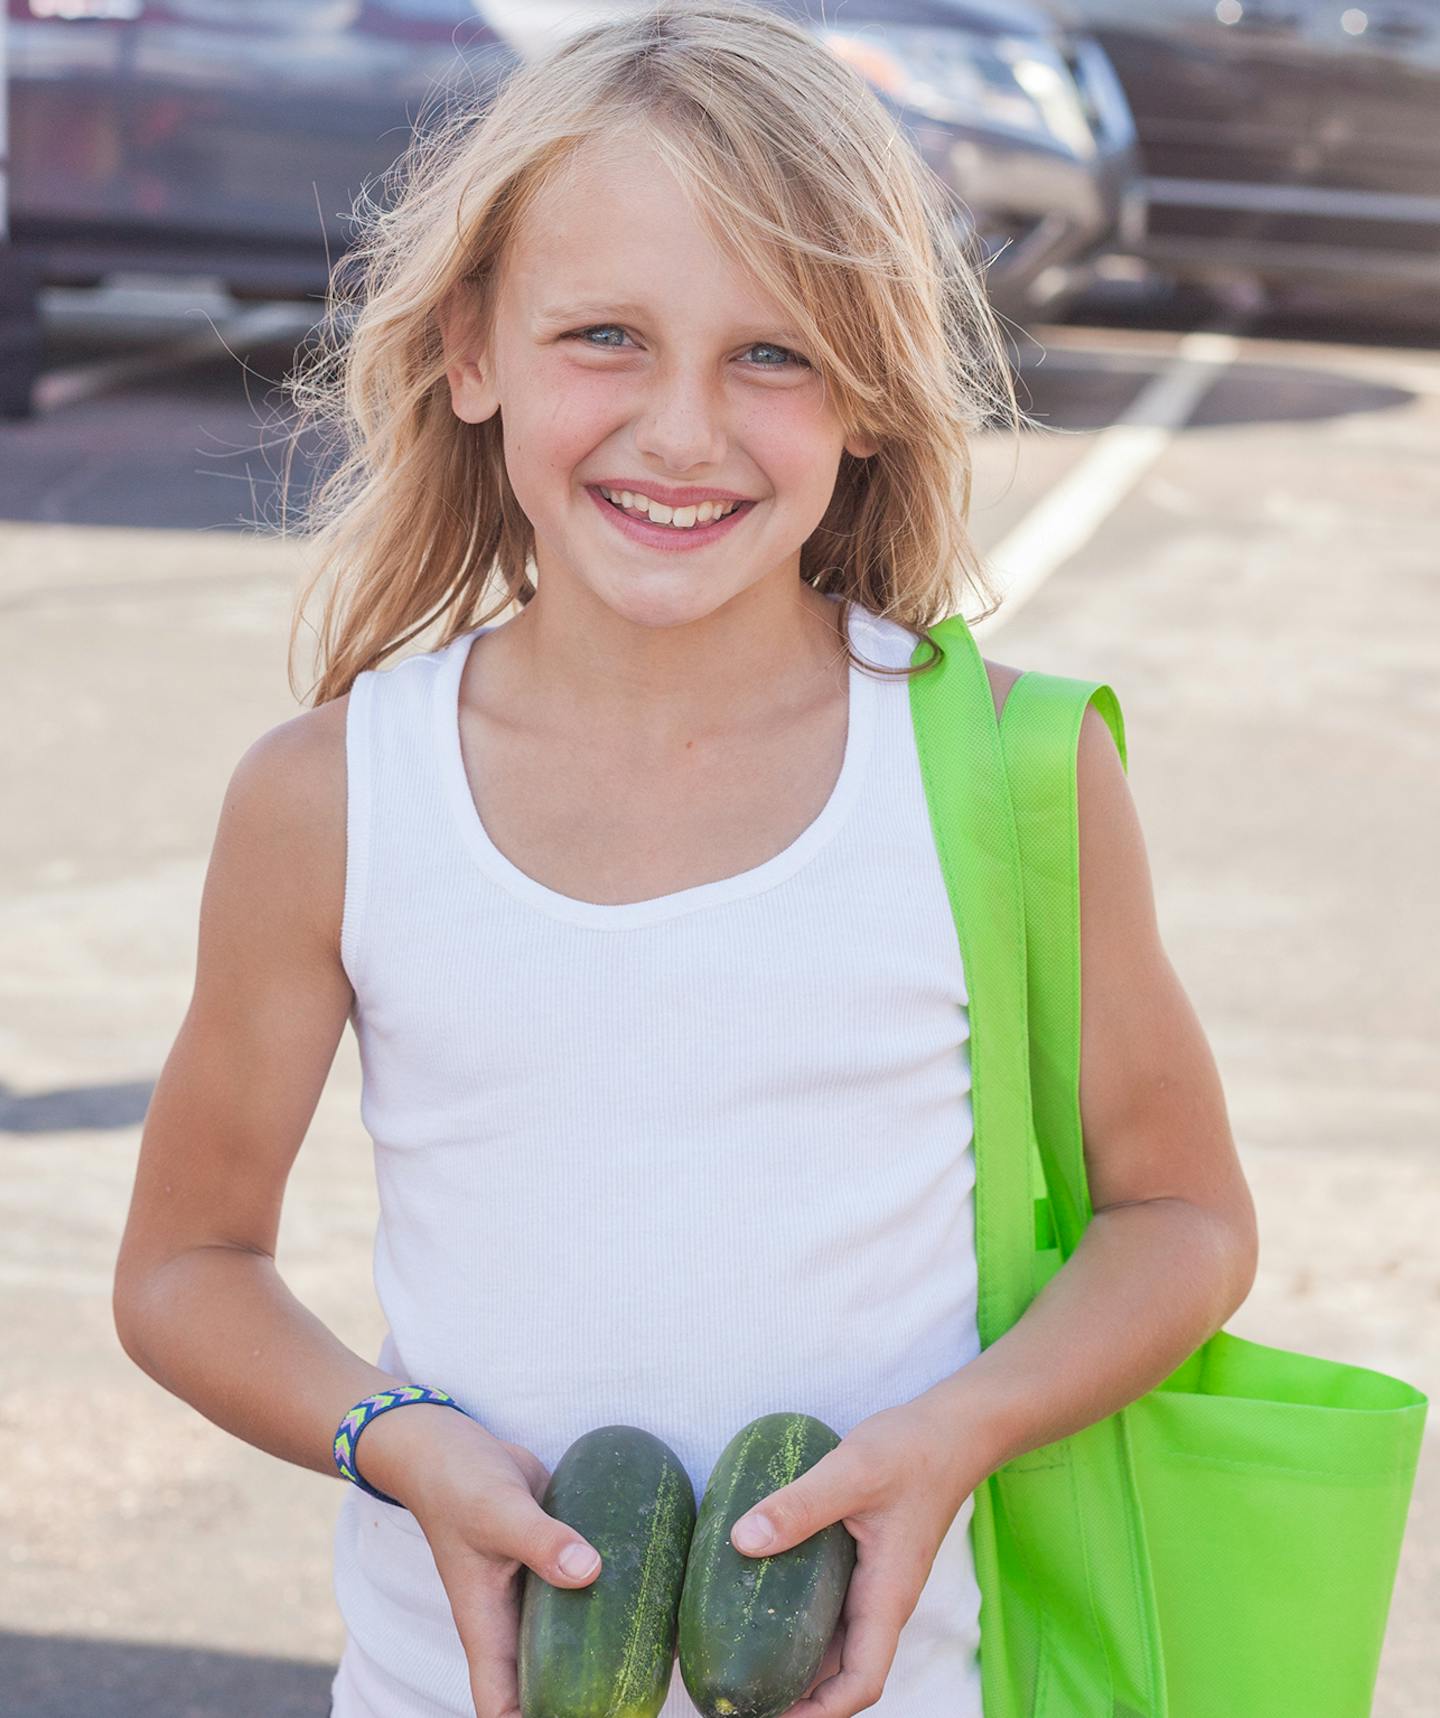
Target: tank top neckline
(860, 724)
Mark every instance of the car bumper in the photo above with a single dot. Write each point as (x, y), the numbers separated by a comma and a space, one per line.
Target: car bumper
(1041, 214)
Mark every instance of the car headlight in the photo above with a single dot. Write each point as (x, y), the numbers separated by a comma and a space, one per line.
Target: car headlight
(1009, 83)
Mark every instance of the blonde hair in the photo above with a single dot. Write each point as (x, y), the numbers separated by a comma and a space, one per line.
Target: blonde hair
(798, 169)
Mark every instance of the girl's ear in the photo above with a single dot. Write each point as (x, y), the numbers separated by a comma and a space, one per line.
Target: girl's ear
(862, 449)
(472, 397)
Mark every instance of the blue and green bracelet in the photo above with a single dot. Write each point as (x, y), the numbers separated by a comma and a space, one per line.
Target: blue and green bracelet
(361, 1415)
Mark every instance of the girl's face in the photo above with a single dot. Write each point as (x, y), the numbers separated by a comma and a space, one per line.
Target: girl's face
(630, 351)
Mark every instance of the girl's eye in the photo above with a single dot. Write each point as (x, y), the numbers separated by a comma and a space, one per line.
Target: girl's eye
(582, 334)
(791, 357)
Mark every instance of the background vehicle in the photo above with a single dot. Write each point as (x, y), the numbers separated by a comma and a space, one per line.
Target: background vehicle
(201, 136)
(1294, 140)
(204, 137)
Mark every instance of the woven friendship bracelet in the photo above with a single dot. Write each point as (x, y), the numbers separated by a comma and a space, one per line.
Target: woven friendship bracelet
(361, 1415)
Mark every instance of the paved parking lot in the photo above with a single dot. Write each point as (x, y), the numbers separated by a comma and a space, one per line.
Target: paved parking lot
(1235, 528)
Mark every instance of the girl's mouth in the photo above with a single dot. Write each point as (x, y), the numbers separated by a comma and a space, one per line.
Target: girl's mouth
(668, 536)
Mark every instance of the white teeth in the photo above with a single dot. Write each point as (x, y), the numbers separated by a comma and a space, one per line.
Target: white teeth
(678, 518)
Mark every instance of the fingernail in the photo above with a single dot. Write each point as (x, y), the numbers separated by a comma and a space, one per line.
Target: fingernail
(578, 1560)
(754, 1533)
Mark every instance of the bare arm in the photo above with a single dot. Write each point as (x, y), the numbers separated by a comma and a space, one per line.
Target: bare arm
(1172, 1247)
(198, 1302)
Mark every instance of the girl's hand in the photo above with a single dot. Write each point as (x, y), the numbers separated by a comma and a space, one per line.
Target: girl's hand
(477, 1500)
(897, 1481)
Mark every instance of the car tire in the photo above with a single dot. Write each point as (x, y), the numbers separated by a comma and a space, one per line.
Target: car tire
(22, 331)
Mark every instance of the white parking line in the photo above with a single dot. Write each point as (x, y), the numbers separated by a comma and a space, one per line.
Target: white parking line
(1070, 514)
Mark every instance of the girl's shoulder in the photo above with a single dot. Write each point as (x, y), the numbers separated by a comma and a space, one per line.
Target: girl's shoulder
(1002, 678)
(289, 788)
(882, 638)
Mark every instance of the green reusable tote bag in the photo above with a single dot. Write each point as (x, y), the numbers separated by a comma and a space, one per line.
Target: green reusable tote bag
(1226, 1545)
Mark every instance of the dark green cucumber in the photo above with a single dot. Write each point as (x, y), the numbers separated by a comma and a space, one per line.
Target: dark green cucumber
(606, 1650)
(753, 1630)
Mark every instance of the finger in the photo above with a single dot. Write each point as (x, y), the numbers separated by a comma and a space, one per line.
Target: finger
(518, 1530)
(829, 1664)
(876, 1609)
(486, 1591)
(486, 1609)
(482, 1565)
(826, 1492)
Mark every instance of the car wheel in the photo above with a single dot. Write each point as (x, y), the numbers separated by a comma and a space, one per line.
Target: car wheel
(22, 332)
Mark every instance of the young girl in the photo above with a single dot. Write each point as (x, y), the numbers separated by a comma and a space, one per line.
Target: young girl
(632, 899)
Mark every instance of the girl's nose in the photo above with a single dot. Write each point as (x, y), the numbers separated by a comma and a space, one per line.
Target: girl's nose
(681, 422)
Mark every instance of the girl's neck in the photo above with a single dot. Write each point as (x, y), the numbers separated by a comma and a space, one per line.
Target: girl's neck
(757, 660)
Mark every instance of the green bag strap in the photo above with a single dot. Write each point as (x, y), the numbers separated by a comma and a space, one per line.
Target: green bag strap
(963, 770)
(1103, 1609)
(1040, 735)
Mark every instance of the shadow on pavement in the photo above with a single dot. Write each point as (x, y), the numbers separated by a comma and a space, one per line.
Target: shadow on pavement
(68, 1109)
(1072, 388)
(58, 1676)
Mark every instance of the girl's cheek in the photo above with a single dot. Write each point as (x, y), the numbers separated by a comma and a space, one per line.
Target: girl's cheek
(792, 417)
(584, 405)
(563, 424)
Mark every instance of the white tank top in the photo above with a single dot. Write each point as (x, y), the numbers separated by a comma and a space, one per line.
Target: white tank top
(673, 1163)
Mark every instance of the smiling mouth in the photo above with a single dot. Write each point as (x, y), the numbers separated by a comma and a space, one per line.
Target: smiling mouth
(691, 518)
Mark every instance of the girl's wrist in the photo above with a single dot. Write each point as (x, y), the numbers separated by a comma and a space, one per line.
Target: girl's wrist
(408, 1452)
(968, 1428)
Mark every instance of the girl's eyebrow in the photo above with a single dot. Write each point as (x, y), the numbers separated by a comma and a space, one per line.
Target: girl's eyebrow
(566, 312)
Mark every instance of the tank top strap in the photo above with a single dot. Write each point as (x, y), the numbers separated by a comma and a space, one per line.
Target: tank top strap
(397, 827)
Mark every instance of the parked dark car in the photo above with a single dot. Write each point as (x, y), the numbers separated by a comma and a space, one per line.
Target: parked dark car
(1291, 140)
(209, 137)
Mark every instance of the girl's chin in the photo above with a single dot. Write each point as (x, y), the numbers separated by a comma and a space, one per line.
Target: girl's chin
(665, 598)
